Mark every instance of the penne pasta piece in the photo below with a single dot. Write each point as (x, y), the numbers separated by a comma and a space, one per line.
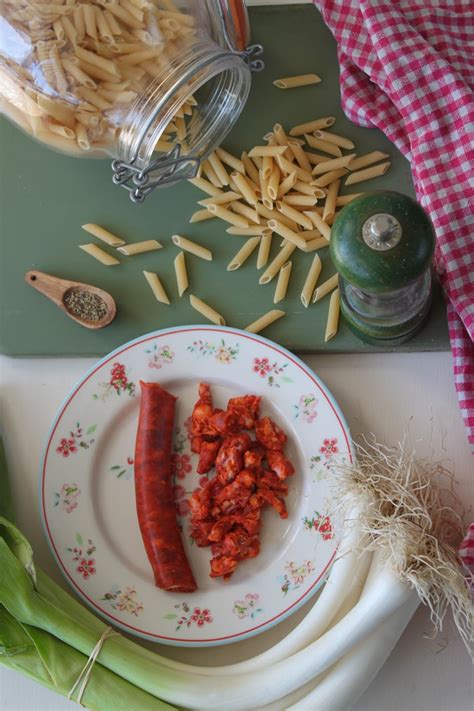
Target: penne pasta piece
(340, 141)
(247, 231)
(281, 139)
(243, 254)
(69, 29)
(275, 215)
(294, 215)
(206, 311)
(311, 281)
(96, 60)
(290, 235)
(62, 131)
(89, 20)
(94, 98)
(75, 71)
(250, 169)
(148, 245)
(274, 183)
(157, 287)
(222, 199)
(266, 199)
(192, 247)
(299, 80)
(367, 159)
(230, 160)
(286, 185)
(333, 316)
(246, 211)
(328, 165)
(264, 249)
(210, 173)
(202, 215)
(311, 126)
(79, 23)
(228, 216)
(330, 204)
(275, 265)
(105, 33)
(205, 186)
(287, 167)
(100, 254)
(368, 173)
(300, 156)
(112, 23)
(306, 189)
(330, 177)
(319, 223)
(315, 158)
(282, 282)
(346, 199)
(103, 234)
(245, 188)
(82, 137)
(300, 200)
(264, 321)
(266, 151)
(267, 167)
(125, 17)
(323, 146)
(181, 273)
(315, 244)
(219, 169)
(326, 288)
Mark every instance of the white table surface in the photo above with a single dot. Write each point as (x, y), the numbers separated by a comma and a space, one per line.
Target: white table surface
(385, 394)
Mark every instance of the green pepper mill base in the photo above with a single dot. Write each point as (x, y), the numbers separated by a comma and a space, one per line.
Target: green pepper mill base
(382, 335)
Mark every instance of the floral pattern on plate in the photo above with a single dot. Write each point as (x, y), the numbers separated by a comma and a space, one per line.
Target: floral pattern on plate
(188, 616)
(158, 356)
(295, 575)
(123, 471)
(305, 410)
(82, 555)
(76, 440)
(273, 373)
(248, 607)
(118, 383)
(221, 352)
(319, 523)
(125, 601)
(67, 497)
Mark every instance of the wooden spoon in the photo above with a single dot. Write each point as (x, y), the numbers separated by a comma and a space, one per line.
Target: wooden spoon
(58, 289)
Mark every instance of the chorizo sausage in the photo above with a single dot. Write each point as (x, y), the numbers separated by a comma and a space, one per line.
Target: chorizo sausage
(156, 508)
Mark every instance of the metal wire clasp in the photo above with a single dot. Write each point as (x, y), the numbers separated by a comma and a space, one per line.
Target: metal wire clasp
(250, 54)
(141, 181)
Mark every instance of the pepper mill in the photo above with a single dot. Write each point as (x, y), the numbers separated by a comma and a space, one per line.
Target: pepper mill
(382, 244)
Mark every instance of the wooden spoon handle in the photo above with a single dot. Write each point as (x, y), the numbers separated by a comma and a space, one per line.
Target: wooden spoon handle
(50, 286)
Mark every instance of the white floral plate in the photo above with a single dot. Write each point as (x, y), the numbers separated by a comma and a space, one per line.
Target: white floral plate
(87, 491)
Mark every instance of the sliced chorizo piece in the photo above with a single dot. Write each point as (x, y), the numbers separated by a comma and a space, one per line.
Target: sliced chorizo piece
(269, 435)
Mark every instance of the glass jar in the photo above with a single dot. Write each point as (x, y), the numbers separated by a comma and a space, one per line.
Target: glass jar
(154, 84)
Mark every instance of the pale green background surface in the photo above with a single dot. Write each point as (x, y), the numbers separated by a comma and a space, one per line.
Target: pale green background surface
(46, 197)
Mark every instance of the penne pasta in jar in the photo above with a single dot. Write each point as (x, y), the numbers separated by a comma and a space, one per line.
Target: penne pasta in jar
(159, 57)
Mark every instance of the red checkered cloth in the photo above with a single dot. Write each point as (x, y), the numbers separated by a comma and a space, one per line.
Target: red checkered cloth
(407, 67)
(466, 553)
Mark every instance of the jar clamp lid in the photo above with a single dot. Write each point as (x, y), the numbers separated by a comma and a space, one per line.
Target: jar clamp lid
(231, 30)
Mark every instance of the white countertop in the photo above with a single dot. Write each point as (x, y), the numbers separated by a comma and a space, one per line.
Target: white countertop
(387, 394)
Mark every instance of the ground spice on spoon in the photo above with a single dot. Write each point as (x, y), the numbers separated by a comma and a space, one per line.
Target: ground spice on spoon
(85, 305)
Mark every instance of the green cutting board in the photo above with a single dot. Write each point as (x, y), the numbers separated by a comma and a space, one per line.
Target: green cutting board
(46, 197)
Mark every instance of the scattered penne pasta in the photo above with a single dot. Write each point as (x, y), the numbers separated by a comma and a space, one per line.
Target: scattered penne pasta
(192, 247)
(247, 231)
(282, 282)
(228, 216)
(311, 126)
(327, 178)
(181, 273)
(201, 215)
(325, 288)
(100, 254)
(342, 200)
(367, 174)
(299, 80)
(264, 321)
(221, 199)
(323, 146)
(340, 141)
(245, 188)
(311, 281)
(235, 163)
(276, 264)
(333, 316)
(319, 223)
(206, 311)
(367, 159)
(264, 249)
(156, 287)
(293, 237)
(103, 234)
(243, 254)
(205, 186)
(148, 245)
(330, 204)
(266, 151)
(343, 162)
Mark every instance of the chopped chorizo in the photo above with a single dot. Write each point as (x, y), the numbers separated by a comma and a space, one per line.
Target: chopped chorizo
(207, 456)
(269, 435)
(279, 464)
(230, 459)
(246, 408)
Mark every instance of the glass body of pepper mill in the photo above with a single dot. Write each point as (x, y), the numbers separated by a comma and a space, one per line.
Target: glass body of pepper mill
(382, 244)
